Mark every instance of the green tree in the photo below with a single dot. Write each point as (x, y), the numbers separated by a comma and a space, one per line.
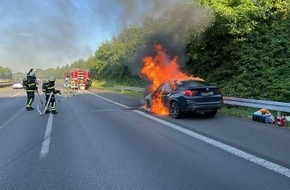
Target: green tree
(260, 66)
(5, 73)
(234, 21)
(114, 60)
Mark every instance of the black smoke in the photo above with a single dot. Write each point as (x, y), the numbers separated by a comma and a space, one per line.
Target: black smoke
(177, 26)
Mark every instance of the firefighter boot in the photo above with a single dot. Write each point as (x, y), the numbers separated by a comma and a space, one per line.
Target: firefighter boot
(47, 111)
(54, 112)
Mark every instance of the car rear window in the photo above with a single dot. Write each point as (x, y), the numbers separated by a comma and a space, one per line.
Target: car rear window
(197, 83)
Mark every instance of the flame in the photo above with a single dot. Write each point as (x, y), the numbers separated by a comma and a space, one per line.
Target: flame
(157, 105)
(161, 69)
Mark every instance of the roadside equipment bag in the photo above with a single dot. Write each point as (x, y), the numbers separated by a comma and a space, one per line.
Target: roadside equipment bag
(261, 118)
(263, 115)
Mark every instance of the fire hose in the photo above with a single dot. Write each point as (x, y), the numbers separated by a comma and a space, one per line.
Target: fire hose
(39, 97)
(48, 102)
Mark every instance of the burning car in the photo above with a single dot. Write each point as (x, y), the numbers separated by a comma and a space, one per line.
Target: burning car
(183, 96)
(175, 92)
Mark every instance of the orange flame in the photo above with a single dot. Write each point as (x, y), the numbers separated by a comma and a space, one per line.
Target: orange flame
(159, 70)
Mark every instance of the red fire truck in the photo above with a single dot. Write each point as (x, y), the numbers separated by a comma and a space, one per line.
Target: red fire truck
(78, 79)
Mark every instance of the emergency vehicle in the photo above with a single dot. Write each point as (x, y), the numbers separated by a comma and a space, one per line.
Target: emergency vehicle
(78, 79)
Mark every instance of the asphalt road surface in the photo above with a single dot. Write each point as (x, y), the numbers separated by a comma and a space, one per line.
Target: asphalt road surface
(102, 140)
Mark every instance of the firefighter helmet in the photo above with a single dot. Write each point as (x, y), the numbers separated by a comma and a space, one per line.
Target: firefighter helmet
(51, 79)
(31, 74)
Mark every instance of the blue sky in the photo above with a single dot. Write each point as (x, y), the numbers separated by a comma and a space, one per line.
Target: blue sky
(50, 33)
(44, 34)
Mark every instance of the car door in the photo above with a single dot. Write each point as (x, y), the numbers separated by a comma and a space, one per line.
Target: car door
(166, 91)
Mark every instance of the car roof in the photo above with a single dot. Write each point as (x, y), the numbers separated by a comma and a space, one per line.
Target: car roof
(192, 82)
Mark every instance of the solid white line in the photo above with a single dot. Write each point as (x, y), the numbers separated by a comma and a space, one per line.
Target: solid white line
(11, 118)
(122, 105)
(46, 141)
(242, 154)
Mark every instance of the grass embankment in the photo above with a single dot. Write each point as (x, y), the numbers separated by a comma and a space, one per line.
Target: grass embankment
(237, 111)
(109, 85)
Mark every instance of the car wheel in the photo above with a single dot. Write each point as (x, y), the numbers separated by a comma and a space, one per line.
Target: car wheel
(148, 105)
(175, 110)
(211, 113)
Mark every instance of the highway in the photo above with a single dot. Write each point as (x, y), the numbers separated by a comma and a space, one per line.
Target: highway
(103, 140)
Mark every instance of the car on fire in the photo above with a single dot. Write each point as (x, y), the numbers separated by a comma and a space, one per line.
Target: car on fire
(186, 96)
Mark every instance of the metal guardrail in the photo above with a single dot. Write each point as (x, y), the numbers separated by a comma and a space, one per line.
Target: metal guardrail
(2, 85)
(271, 105)
(134, 89)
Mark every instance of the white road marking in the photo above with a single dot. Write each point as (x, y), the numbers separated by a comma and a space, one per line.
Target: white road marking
(11, 118)
(46, 141)
(122, 105)
(242, 154)
(15, 95)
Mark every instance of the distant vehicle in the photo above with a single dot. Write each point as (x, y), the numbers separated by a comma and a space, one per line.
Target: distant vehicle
(78, 79)
(188, 96)
(17, 86)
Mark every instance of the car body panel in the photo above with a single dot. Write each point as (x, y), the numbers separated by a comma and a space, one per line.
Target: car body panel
(207, 97)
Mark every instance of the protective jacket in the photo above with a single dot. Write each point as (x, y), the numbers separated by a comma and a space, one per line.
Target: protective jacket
(50, 88)
(31, 85)
(30, 88)
(51, 91)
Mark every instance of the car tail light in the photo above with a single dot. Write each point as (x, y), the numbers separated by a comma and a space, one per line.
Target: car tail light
(189, 93)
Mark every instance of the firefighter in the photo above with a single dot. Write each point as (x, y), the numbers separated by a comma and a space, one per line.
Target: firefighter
(66, 85)
(51, 90)
(30, 89)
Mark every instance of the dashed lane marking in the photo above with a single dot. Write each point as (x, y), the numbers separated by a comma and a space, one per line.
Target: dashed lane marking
(46, 140)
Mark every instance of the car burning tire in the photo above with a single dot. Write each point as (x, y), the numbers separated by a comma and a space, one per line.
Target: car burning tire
(175, 110)
(211, 113)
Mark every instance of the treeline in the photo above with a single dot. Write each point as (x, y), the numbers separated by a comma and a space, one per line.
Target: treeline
(247, 50)
(59, 72)
(241, 45)
(5, 73)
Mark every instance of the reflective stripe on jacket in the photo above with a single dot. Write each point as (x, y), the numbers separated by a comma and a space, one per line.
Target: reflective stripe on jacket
(31, 87)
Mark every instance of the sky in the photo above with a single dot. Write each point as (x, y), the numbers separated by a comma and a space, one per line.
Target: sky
(49, 33)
